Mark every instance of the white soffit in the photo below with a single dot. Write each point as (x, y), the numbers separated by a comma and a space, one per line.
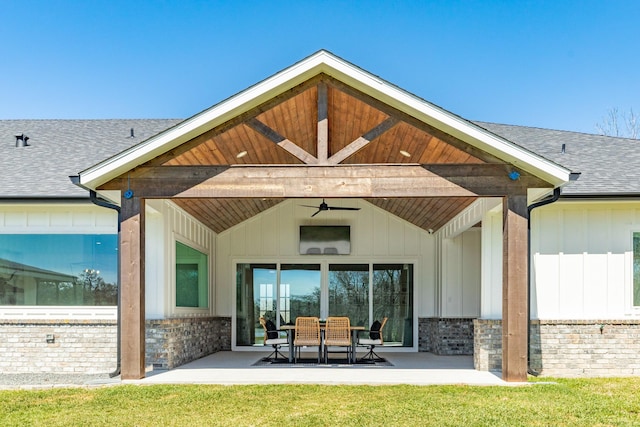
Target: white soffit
(324, 62)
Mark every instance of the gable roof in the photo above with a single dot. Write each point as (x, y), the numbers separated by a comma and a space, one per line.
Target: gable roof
(326, 63)
(60, 148)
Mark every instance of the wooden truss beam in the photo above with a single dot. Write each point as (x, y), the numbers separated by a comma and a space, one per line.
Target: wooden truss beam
(362, 141)
(404, 117)
(238, 120)
(281, 141)
(287, 181)
(488, 179)
(405, 180)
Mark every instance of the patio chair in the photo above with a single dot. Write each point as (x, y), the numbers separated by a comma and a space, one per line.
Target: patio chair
(272, 338)
(375, 338)
(337, 333)
(307, 334)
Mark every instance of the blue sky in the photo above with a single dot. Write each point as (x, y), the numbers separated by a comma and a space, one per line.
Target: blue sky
(557, 64)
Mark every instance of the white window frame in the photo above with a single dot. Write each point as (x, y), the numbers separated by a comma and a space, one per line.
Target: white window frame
(183, 311)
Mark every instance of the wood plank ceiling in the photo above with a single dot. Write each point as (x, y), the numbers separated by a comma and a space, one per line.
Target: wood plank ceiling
(288, 131)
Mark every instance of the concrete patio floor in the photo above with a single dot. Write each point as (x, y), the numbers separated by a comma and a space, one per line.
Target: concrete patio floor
(408, 368)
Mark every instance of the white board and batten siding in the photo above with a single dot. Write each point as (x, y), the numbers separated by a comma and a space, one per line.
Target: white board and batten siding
(73, 218)
(166, 223)
(583, 260)
(460, 283)
(491, 265)
(376, 236)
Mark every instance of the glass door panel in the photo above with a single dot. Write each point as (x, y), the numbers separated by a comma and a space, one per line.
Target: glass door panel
(255, 297)
(349, 292)
(299, 291)
(302, 290)
(393, 298)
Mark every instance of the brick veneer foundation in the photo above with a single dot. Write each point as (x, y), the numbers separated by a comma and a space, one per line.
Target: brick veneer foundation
(567, 348)
(174, 342)
(90, 346)
(445, 336)
(76, 347)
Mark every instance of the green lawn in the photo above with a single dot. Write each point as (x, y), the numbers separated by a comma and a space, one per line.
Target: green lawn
(564, 402)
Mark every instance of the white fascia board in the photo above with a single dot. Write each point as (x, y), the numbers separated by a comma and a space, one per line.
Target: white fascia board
(202, 122)
(324, 62)
(447, 122)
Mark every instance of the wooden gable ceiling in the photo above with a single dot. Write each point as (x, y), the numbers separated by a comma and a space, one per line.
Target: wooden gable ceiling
(268, 136)
(289, 130)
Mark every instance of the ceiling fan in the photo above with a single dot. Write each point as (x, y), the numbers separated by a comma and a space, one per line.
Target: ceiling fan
(324, 207)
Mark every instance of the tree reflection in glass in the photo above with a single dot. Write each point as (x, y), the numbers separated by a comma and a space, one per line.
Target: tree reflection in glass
(349, 292)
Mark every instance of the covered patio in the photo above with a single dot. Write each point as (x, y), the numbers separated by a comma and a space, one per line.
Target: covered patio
(230, 368)
(324, 129)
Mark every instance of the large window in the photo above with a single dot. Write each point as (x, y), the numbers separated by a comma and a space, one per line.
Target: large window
(636, 269)
(58, 269)
(192, 277)
(362, 292)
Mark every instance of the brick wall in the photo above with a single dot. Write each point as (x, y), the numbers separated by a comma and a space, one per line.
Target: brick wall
(567, 348)
(445, 336)
(78, 347)
(586, 348)
(174, 342)
(487, 344)
(90, 347)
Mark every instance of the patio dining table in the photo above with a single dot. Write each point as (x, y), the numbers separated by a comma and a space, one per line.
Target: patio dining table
(290, 329)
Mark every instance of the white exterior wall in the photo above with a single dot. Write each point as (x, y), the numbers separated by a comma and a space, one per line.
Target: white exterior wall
(166, 222)
(73, 218)
(460, 287)
(376, 236)
(491, 265)
(70, 218)
(583, 259)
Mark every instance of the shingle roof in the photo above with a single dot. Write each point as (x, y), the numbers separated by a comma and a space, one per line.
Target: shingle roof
(59, 148)
(608, 165)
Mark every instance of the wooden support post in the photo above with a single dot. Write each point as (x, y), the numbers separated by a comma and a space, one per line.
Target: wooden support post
(132, 289)
(514, 289)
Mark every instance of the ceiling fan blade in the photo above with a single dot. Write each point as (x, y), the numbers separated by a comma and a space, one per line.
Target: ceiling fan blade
(339, 208)
(309, 206)
(317, 212)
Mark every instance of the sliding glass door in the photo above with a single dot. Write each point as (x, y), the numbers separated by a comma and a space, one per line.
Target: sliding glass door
(393, 298)
(349, 292)
(255, 297)
(299, 291)
(362, 292)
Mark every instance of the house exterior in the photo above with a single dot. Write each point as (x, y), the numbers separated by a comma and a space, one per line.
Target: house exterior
(516, 245)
